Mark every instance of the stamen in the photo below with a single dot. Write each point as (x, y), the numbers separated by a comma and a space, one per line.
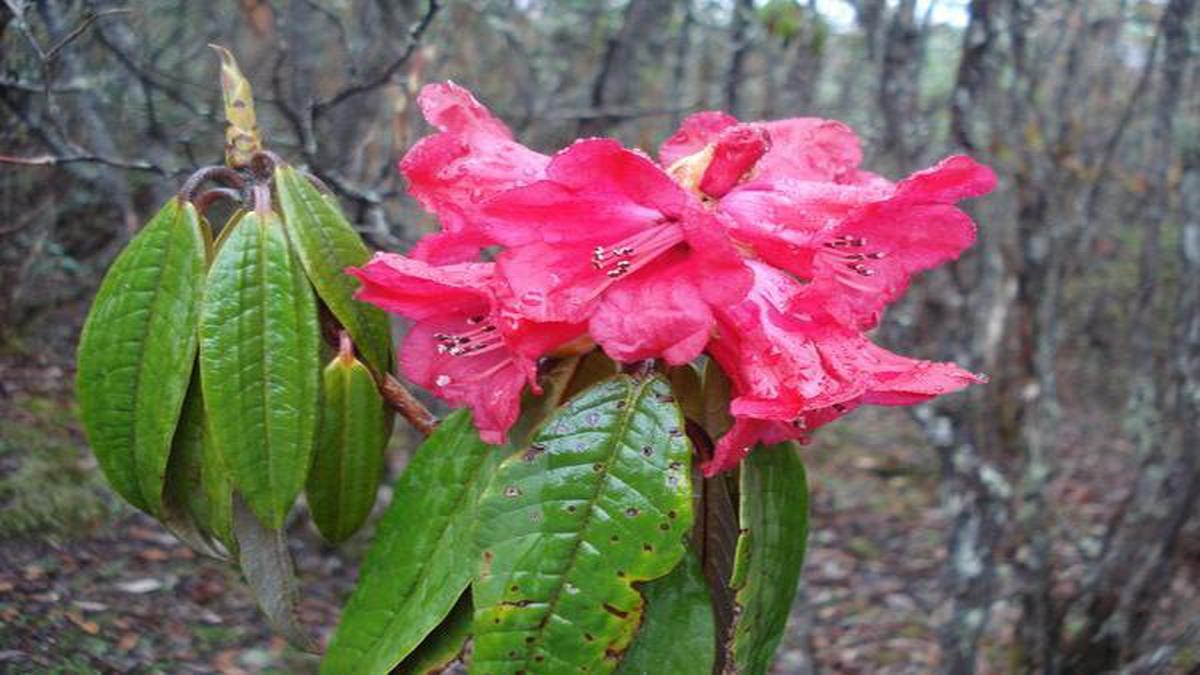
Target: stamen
(480, 340)
(635, 252)
(854, 260)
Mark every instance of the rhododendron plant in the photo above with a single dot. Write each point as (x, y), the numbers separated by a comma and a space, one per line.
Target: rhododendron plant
(635, 343)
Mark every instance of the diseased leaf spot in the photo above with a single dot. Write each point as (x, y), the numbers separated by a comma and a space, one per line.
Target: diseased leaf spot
(597, 467)
(672, 514)
(619, 613)
(539, 658)
(664, 527)
(533, 452)
(674, 431)
(647, 548)
(614, 539)
(570, 508)
(647, 451)
(589, 637)
(592, 419)
(621, 405)
(631, 512)
(512, 491)
(621, 573)
(515, 588)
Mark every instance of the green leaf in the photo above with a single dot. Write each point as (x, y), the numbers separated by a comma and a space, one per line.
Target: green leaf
(137, 350)
(770, 553)
(565, 378)
(348, 461)
(327, 245)
(197, 497)
(423, 554)
(600, 500)
(259, 365)
(444, 644)
(678, 634)
(267, 566)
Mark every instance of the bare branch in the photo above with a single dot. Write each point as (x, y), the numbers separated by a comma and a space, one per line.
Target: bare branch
(414, 39)
(53, 160)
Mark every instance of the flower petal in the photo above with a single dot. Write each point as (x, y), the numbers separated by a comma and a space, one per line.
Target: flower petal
(418, 290)
(695, 132)
(865, 261)
(594, 191)
(656, 312)
(808, 148)
(490, 383)
(473, 158)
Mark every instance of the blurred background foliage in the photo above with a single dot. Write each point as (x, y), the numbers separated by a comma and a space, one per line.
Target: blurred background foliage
(1045, 522)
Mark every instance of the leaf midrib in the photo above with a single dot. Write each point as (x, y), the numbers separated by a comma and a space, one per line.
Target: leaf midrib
(626, 414)
(140, 366)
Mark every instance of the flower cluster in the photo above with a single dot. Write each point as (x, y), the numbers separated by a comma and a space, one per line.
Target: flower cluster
(761, 244)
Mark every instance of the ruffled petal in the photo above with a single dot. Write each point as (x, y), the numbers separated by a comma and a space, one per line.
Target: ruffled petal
(865, 261)
(657, 312)
(473, 158)
(735, 153)
(594, 191)
(696, 132)
(418, 290)
(808, 148)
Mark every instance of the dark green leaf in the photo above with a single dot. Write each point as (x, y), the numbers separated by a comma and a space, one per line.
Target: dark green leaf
(259, 365)
(717, 392)
(678, 634)
(267, 566)
(444, 644)
(601, 499)
(688, 389)
(137, 350)
(774, 517)
(348, 461)
(423, 554)
(327, 245)
(197, 504)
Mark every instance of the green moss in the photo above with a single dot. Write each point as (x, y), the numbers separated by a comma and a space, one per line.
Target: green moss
(49, 485)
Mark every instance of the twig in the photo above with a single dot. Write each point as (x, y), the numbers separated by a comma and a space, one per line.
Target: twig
(53, 160)
(402, 401)
(414, 39)
(78, 30)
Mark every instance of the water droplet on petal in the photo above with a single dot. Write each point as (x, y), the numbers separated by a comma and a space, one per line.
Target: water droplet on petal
(442, 380)
(533, 298)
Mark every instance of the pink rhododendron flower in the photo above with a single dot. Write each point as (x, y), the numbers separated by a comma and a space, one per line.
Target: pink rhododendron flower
(763, 244)
(450, 173)
(792, 372)
(465, 346)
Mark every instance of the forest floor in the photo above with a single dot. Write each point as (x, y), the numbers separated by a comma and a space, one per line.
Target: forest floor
(89, 585)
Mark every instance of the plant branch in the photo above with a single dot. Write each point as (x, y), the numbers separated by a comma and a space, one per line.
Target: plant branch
(402, 401)
(55, 160)
(414, 38)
